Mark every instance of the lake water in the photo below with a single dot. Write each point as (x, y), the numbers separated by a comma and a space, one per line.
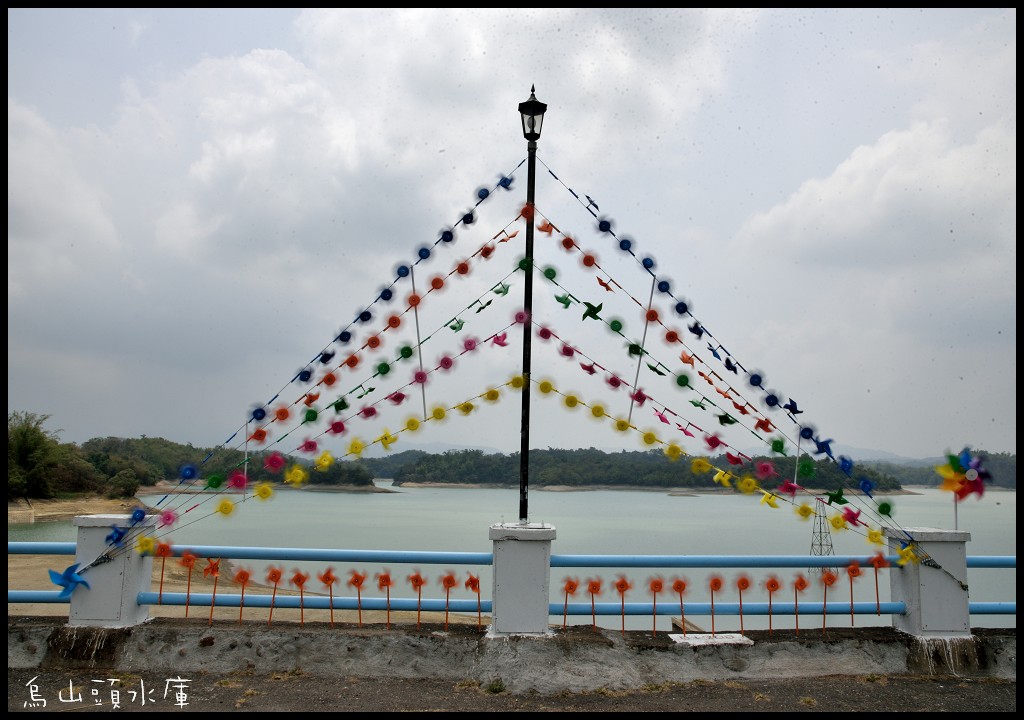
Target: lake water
(616, 522)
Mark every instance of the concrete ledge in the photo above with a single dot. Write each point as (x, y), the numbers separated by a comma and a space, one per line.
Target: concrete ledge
(575, 659)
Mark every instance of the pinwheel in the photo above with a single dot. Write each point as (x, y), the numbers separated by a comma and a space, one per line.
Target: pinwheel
(473, 585)
(799, 585)
(874, 536)
(274, 576)
(163, 551)
(723, 478)
(418, 581)
(622, 586)
(138, 515)
(356, 580)
(448, 582)
(242, 577)
(188, 560)
(852, 517)
(68, 580)
(324, 461)
(594, 588)
(715, 584)
(263, 491)
(805, 511)
(878, 561)
(225, 507)
(299, 579)
(907, 554)
(828, 579)
(212, 569)
(274, 462)
(853, 571)
(655, 585)
(237, 480)
(167, 518)
(569, 587)
(748, 485)
(328, 578)
(145, 544)
(772, 585)
(742, 583)
(116, 536)
(789, 488)
(769, 499)
(679, 587)
(384, 582)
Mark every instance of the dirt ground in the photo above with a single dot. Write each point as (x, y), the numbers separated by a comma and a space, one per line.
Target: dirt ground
(284, 692)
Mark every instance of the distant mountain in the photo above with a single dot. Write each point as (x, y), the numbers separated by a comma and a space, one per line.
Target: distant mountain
(431, 448)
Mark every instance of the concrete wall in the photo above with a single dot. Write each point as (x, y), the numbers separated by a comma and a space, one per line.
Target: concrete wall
(576, 659)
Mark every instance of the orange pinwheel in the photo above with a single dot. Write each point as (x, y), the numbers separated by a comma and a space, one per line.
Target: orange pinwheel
(274, 575)
(385, 583)
(212, 569)
(188, 560)
(622, 586)
(715, 583)
(299, 579)
(853, 571)
(328, 578)
(772, 585)
(799, 585)
(570, 586)
(655, 585)
(594, 588)
(878, 561)
(473, 584)
(742, 583)
(828, 579)
(163, 551)
(242, 577)
(448, 581)
(679, 587)
(356, 580)
(418, 581)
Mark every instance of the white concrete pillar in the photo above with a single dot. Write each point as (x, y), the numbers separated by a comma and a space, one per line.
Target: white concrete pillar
(111, 598)
(935, 589)
(522, 572)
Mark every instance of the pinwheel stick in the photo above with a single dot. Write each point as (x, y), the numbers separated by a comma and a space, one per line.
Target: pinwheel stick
(163, 562)
(188, 590)
(273, 598)
(712, 612)
(851, 600)
(622, 596)
(593, 612)
(419, 600)
(302, 606)
(682, 613)
(241, 604)
(330, 591)
(796, 608)
(770, 613)
(388, 616)
(878, 602)
(213, 600)
(741, 610)
(447, 592)
(478, 608)
(359, 603)
(654, 617)
(824, 608)
(565, 609)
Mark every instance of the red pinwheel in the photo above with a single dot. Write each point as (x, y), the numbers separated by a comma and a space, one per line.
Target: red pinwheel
(274, 576)
(274, 462)
(212, 569)
(418, 581)
(242, 577)
(655, 585)
(594, 588)
(299, 579)
(385, 583)
(356, 580)
(448, 582)
(328, 578)
(570, 587)
(622, 586)
(473, 584)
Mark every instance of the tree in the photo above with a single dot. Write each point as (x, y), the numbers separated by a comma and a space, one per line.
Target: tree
(32, 452)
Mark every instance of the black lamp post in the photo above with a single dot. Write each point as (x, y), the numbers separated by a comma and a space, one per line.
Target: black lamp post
(532, 112)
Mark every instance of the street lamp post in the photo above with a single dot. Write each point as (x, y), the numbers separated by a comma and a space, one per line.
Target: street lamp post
(532, 112)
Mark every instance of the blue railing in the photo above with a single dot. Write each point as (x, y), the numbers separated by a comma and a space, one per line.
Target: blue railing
(448, 559)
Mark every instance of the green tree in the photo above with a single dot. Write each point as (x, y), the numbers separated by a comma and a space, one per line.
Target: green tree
(32, 452)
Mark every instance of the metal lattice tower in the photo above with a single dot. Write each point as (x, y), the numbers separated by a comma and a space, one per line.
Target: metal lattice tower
(821, 537)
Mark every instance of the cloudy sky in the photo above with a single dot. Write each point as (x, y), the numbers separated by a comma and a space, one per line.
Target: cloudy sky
(201, 202)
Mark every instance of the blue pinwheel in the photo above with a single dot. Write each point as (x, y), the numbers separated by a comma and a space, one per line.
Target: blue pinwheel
(69, 580)
(116, 536)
